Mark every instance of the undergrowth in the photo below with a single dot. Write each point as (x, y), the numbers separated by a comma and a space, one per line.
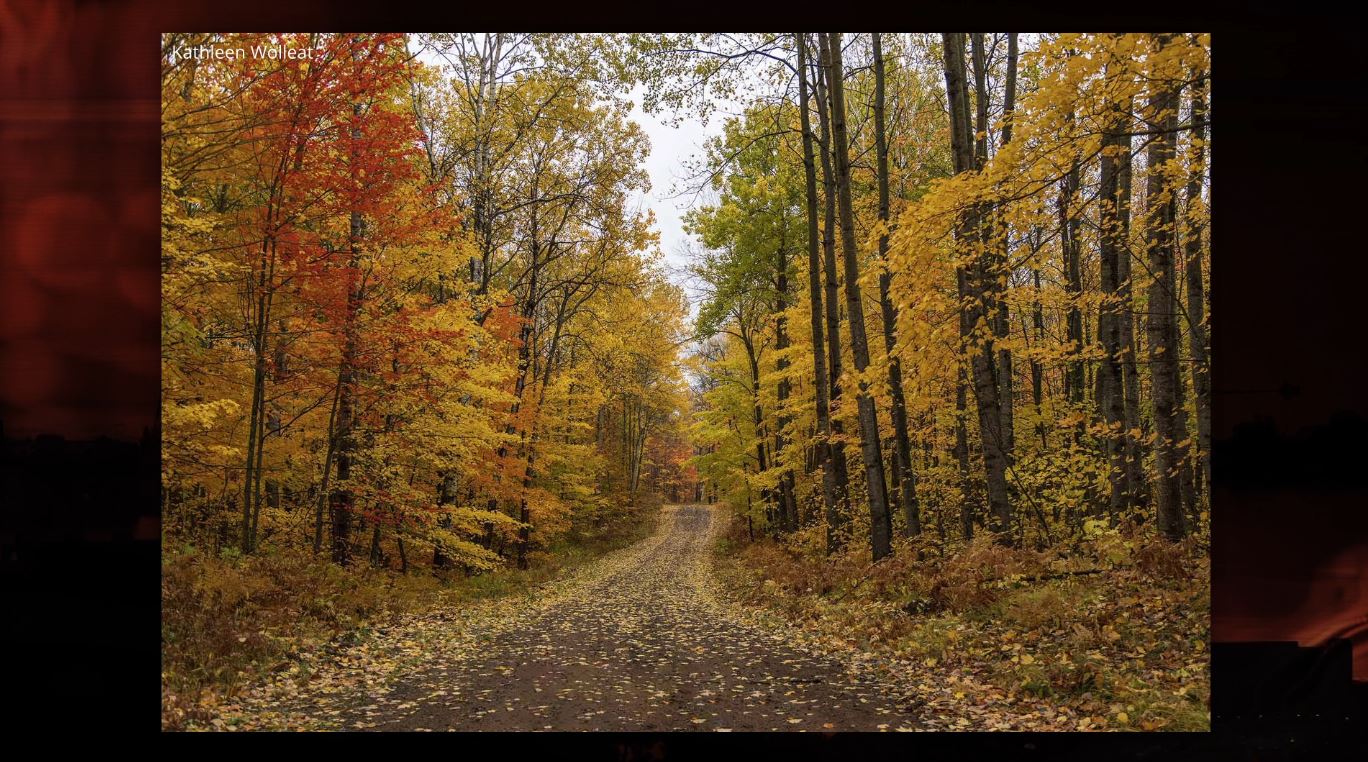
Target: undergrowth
(1111, 632)
(228, 620)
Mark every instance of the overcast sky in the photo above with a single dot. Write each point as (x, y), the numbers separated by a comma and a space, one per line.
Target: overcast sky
(671, 192)
(670, 147)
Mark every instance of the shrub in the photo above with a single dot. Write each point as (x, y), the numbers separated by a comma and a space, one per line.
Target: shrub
(967, 580)
(1161, 560)
(1035, 608)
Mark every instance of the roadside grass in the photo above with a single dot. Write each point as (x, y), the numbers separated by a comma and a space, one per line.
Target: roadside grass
(1111, 632)
(230, 620)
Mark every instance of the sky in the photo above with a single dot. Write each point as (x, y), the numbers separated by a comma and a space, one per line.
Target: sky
(670, 147)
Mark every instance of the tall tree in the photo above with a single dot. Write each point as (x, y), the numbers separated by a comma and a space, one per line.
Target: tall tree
(836, 532)
(880, 522)
(962, 456)
(1070, 226)
(830, 503)
(1111, 248)
(973, 292)
(1136, 484)
(343, 502)
(1196, 293)
(1002, 320)
(787, 503)
(902, 449)
(1160, 217)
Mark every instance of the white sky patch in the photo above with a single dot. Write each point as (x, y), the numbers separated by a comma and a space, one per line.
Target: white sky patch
(670, 147)
(673, 190)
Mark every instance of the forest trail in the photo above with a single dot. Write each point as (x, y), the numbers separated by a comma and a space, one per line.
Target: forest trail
(635, 642)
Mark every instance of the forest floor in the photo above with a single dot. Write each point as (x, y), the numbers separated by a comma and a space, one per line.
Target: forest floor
(231, 622)
(635, 641)
(1109, 634)
(691, 629)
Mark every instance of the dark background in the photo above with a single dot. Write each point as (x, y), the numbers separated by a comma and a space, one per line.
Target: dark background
(79, 266)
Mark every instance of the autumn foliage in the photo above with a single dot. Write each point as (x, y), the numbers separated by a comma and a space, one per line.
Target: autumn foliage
(1040, 282)
(411, 318)
(1021, 221)
(949, 371)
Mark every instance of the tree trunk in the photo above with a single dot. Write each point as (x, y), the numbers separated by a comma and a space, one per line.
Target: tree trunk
(962, 458)
(1002, 322)
(1197, 330)
(880, 523)
(840, 472)
(343, 501)
(323, 493)
(445, 496)
(758, 417)
(902, 449)
(819, 370)
(1163, 354)
(974, 295)
(1037, 370)
(525, 347)
(1183, 449)
(1136, 484)
(256, 419)
(524, 511)
(1111, 247)
(376, 557)
(788, 506)
(269, 420)
(1069, 224)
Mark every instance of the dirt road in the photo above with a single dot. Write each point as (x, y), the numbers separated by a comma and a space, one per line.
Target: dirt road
(638, 641)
